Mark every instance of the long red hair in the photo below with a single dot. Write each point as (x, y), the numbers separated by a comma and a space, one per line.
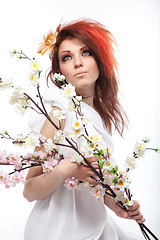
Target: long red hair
(100, 41)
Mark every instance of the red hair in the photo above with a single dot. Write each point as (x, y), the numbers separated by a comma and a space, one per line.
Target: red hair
(100, 41)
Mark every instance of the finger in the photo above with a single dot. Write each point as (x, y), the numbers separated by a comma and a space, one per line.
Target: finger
(92, 182)
(141, 220)
(138, 218)
(122, 213)
(133, 213)
(95, 165)
(93, 159)
(134, 206)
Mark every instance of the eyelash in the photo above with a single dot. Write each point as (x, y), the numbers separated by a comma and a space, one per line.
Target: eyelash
(67, 57)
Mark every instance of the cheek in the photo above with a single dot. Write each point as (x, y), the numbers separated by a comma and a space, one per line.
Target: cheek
(95, 70)
(64, 70)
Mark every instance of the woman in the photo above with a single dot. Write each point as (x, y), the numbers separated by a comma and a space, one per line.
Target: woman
(83, 53)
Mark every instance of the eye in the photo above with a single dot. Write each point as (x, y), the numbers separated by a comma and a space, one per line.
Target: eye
(65, 58)
(86, 53)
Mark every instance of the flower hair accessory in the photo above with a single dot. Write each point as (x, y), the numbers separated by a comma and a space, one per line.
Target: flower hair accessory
(49, 41)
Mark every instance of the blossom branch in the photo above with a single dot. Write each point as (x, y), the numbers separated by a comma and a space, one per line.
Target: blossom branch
(21, 55)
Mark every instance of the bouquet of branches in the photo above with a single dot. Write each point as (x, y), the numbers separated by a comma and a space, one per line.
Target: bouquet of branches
(110, 180)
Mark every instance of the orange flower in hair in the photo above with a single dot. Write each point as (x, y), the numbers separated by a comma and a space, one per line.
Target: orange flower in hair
(49, 42)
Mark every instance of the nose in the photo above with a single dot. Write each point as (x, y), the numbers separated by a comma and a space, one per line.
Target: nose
(78, 62)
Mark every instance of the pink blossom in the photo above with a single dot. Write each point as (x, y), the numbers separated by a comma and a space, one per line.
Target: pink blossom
(28, 156)
(14, 158)
(18, 177)
(3, 157)
(98, 192)
(18, 165)
(71, 183)
(47, 166)
(10, 183)
(53, 161)
(40, 154)
(3, 176)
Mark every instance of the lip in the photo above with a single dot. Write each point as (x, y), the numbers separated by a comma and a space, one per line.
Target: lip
(80, 74)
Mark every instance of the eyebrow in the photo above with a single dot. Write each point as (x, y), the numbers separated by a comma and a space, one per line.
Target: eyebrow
(68, 51)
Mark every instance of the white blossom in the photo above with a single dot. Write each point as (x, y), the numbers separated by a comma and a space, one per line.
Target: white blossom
(96, 139)
(6, 83)
(21, 140)
(78, 98)
(20, 100)
(77, 158)
(146, 139)
(59, 114)
(69, 134)
(130, 163)
(77, 127)
(34, 66)
(32, 140)
(20, 110)
(49, 145)
(109, 165)
(68, 91)
(76, 124)
(59, 136)
(58, 77)
(87, 148)
(33, 78)
(122, 197)
(108, 178)
(71, 106)
(139, 149)
(16, 95)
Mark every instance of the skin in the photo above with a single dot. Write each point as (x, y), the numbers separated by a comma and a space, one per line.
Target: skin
(79, 67)
(81, 70)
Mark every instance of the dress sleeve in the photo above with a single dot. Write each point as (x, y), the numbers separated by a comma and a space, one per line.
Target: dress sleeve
(51, 98)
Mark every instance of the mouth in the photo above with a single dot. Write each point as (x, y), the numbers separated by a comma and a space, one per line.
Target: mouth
(80, 74)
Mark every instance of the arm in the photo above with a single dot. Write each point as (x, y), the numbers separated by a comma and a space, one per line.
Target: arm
(40, 185)
(132, 213)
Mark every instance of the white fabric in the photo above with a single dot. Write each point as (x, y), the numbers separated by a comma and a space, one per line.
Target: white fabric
(71, 214)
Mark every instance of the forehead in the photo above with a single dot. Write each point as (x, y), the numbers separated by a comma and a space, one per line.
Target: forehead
(70, 44)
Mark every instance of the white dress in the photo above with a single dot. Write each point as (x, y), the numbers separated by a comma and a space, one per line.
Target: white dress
(71, 214)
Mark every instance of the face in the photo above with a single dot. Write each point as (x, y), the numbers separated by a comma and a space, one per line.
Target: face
(78, 65)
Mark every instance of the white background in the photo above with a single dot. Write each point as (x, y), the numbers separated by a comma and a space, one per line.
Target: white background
(135, 25)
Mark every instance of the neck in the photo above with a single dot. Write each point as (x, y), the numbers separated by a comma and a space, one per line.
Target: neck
(87, 95)
(88, 100)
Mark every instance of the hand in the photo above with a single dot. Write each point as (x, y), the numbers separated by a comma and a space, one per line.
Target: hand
(132, 212)
(81, 172)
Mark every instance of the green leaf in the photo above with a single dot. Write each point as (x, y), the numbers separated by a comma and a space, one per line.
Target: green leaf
(56, 150)
(99, 153)
(6, 133)
(114, 170)
(115, 180)
(101, 163)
